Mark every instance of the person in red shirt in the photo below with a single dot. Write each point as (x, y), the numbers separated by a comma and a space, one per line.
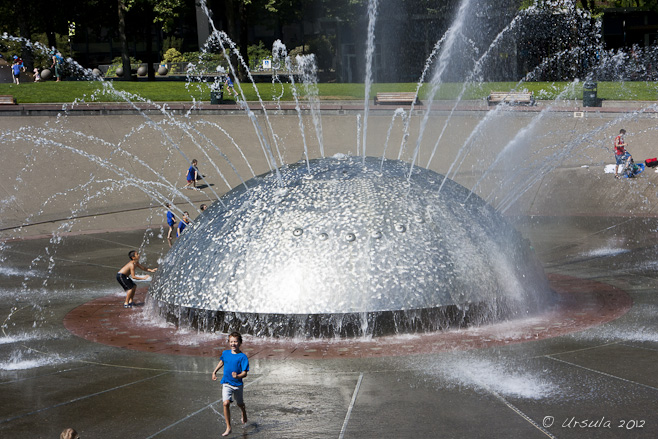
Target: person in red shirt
(621, 155)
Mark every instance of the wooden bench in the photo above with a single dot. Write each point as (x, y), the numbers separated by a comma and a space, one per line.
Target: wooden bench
(396, 98)
(7, 100)
(511, 98)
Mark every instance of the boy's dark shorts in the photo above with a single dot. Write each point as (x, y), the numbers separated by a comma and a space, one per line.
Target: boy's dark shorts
(126, 282)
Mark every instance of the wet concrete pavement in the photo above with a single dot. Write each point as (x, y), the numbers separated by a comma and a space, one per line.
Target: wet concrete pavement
(51, 378)
(598, 382)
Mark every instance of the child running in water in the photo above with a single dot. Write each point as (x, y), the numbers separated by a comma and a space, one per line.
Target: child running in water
(127, 272)
(229, 86)
(192, 175)
(236, 366)
(171, 220)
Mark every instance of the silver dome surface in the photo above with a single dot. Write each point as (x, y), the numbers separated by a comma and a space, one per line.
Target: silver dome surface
(350, 236)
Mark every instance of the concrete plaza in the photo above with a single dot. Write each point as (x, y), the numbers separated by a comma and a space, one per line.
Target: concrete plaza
(595, 382)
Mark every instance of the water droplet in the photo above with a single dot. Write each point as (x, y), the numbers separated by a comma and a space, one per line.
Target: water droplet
(298, 232)
(350, 237)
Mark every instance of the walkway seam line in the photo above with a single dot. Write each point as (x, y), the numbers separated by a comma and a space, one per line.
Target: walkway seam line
(578, 350)
(80, 398)
(523, 415)
(196, 413)
(349, 409)
(603, 373)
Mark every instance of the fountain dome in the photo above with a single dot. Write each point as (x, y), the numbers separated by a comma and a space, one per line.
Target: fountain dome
(348, 246)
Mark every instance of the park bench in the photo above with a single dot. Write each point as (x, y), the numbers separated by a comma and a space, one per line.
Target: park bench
(511, 98)
(396, 98)
(7, 100)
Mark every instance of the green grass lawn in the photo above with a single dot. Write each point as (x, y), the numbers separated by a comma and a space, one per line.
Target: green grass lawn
(172, 91)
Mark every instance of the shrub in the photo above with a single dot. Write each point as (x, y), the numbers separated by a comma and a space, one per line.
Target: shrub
(257, 53)
(299, 50)
(172, 55)
(323, 50)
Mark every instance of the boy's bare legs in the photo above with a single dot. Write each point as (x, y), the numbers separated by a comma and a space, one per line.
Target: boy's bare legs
(244, 413)
(129, 295)
(227, 416)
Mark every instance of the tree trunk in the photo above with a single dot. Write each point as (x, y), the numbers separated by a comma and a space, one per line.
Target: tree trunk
(150, 55)
(25, 31)
(244, 40)
(127, 74)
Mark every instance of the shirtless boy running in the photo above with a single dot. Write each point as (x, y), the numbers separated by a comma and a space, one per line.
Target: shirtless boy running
(127, 272)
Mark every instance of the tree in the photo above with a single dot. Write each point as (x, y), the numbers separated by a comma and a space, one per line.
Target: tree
(150, 12)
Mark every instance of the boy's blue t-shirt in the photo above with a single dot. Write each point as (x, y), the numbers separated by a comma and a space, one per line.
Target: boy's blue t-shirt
(170, 218)
(233, 363)
(181, 226)
(191, 173)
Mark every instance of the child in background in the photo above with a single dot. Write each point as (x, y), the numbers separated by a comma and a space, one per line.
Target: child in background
(127, 272)
(184, 222)
(192, 175)
(171, 220)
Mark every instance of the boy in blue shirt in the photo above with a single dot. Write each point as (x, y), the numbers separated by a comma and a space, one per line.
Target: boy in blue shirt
(236, 366)
(16, 70)
(171, 220)
(229, 86)
(192, 175)
(184, 222)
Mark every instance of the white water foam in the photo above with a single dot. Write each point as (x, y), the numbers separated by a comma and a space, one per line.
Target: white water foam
(605, 252)
(18, 360)
(18, 272)
(499, 375)
(627, 330)
(21, 337)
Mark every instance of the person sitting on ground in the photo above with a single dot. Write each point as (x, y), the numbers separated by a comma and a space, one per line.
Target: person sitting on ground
(630, 169)
(127, 272)
(184, 222)
(622, 157)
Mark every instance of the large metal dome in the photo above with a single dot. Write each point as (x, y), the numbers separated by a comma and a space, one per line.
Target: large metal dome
(350, 247)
